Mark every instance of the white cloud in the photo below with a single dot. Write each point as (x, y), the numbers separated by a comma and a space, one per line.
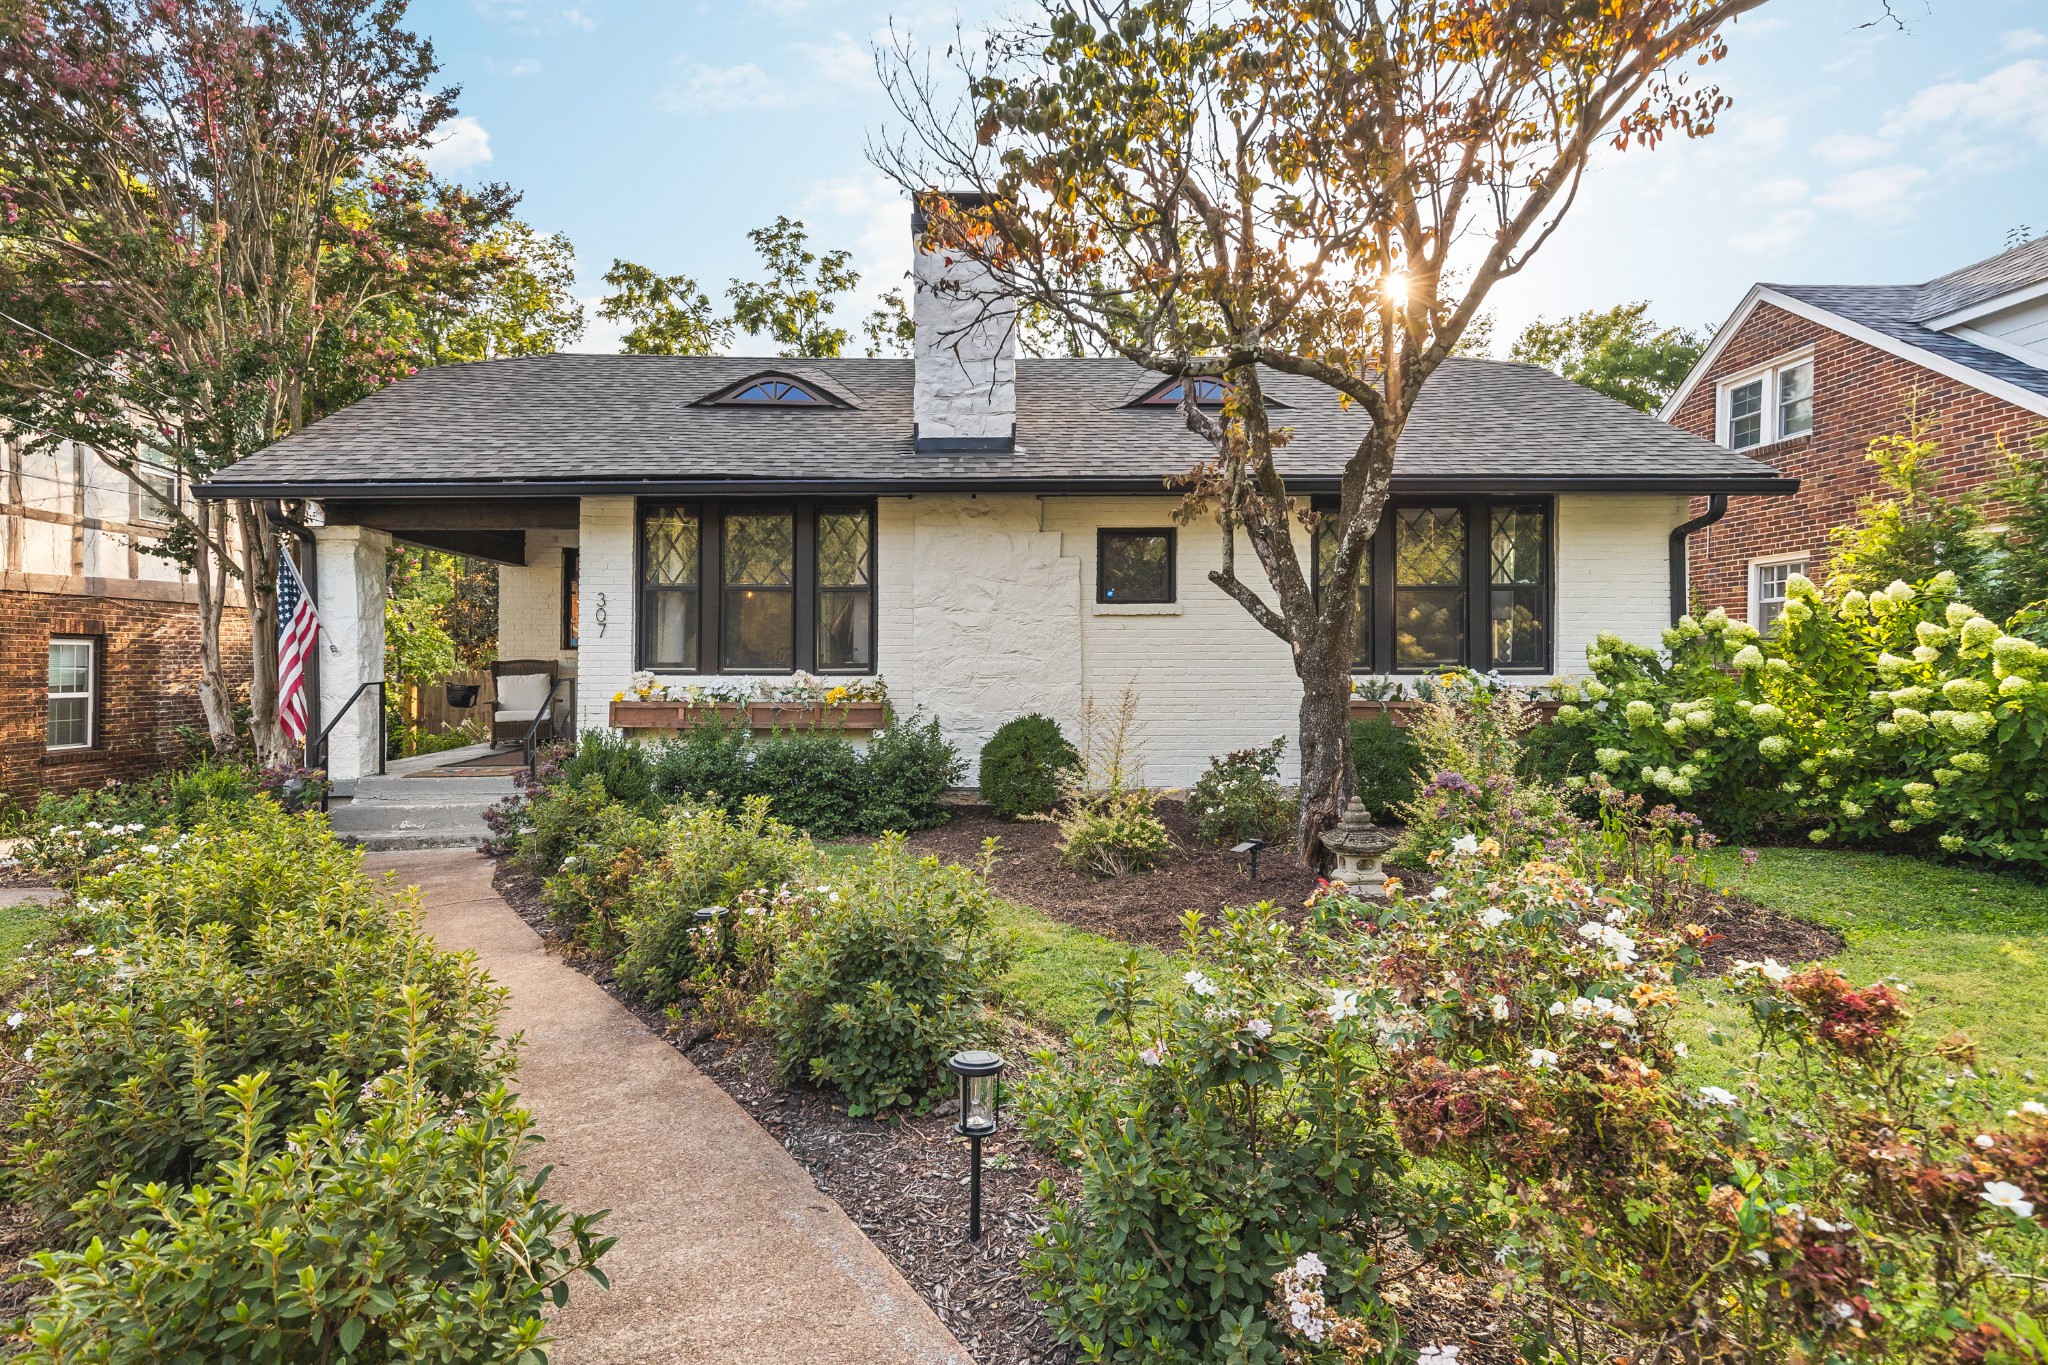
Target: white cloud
(1781, 230)
(525, 66)
(833, 68)
(1878, 191)
(534, 14)
(2012, 99)
(459, 144)
(1783, 189)
(2024, 40)
(1848, 148)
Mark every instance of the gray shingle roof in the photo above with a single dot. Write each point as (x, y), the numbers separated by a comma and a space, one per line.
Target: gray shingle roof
(583, 420)
(1890, 309)
(2025, 264)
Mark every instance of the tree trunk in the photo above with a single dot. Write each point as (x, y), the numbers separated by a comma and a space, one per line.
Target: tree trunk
(1327, 778)
(209, 574)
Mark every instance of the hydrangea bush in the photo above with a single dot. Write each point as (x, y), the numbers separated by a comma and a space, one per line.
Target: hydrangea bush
(1897, 716)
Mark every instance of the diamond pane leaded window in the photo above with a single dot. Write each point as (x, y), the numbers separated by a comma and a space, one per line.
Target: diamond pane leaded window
(1517, 597)
(759, 555)
(1429, 587)
(846, 597)
(1326, 557)
(671, 553)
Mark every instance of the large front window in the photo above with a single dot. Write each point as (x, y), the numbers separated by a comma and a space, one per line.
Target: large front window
(1451, 583)
(791, 586)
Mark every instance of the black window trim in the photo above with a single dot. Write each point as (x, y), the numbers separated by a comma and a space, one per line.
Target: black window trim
(1478, 585)
(729, 396)
(572, 576)
(1102, 534)
(711, 584)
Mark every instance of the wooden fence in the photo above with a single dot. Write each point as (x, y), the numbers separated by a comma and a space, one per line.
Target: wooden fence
(427, 706)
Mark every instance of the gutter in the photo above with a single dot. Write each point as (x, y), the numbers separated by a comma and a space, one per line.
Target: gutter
(390, 489)
(1717, 508)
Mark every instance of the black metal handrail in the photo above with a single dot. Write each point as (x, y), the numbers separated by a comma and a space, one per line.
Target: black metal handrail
(547, 713)
(316, 752)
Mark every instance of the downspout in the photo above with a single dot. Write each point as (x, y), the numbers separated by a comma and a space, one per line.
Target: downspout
(1717, 507)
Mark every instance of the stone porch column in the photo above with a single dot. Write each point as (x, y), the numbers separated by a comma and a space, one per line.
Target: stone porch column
(350, 592)
(605, 632)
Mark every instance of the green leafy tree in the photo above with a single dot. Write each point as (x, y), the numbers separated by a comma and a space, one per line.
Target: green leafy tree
(1617, 351)
(793, 305)
(209, 210)
(670, 314)
(2018, 573)
(890, 329)
(1329, 191)
(527, 307)
(1915, 533)
(440, 614)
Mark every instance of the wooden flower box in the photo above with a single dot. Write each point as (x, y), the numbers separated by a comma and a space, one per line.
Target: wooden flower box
(1403, 712)
(760, 715)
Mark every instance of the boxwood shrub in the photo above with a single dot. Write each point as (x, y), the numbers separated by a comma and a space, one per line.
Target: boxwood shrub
(1023, 766)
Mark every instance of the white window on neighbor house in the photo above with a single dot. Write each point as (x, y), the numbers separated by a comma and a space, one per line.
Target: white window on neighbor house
(1767, 580)
(1771, 403)
(73, 689)
(156, 493)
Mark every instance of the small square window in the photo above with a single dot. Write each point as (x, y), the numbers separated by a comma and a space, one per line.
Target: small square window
(1134, 566)
(73, 687)
(1769, 594)
(1795, 400)
(156, 493)
(1746, 415)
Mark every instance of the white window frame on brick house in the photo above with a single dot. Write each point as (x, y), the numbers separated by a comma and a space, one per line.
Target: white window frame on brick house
(90, 694)
(1779, 413)
(1792, 564)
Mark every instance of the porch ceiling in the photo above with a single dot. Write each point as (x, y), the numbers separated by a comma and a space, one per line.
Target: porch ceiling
(492, 529)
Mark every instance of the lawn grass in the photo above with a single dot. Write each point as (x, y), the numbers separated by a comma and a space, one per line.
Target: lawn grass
(20, 925)
(1051, 982)
(1972, 944)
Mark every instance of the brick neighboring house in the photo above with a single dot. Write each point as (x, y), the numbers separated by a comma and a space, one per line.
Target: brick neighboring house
(101, 661)
(1804, 377)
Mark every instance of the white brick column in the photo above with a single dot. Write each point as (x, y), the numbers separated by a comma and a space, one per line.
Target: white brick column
(605, 624)
(349, 589)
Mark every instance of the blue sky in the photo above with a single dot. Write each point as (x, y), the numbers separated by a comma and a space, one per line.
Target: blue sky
(662, 130)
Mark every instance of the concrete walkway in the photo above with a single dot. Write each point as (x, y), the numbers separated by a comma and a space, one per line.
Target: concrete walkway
(727, 1251)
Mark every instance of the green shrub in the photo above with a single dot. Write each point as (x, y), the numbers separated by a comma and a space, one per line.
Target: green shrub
(1383, 756)
(890, 979)
(1024, 765)
(1900, 716)
(558, 818)
(385, 1229)
(703, 857)
(254, 944)
(592, 886)
(812, 780)
(621, 762)
(1114, 836)
(1240, 797)
(1472, 783)
(706, 761)
(210, 784)
(1221, 1136)
(904, 771)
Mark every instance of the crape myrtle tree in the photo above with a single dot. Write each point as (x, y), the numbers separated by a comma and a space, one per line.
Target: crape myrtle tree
(209, 212)
(1327, 189)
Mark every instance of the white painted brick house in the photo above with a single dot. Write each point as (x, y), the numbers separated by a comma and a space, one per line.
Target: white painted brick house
(992, 535)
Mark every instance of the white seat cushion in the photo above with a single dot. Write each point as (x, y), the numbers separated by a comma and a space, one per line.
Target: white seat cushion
(523, 692)
(516, 717)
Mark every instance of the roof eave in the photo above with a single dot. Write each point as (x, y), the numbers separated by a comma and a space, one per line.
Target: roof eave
(1764, 484)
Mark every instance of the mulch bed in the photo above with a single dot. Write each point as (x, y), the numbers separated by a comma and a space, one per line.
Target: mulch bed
(1143, 908)
(1147, 907)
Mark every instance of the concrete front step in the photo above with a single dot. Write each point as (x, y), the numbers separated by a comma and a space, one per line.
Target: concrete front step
(401, 812)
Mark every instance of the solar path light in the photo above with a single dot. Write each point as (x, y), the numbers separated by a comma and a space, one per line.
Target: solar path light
(980, 1075)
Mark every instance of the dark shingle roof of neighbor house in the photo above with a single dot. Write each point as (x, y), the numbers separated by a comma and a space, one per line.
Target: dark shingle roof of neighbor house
(594, 423)
(1901, 311)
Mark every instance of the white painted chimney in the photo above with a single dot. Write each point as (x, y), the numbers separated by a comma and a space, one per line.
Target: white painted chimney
(965, 353)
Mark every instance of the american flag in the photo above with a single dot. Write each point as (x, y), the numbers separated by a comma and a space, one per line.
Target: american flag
(297, 627)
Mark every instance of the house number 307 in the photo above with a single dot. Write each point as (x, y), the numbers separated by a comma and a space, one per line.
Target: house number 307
(599, 616)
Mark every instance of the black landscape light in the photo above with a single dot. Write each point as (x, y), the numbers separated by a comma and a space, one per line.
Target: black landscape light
(1251, 846)
(980, 1074)
(708, 915)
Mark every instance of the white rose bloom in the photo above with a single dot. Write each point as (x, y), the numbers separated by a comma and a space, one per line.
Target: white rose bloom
(2003, 1195)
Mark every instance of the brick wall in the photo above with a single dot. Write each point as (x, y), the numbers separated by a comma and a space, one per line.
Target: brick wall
(1860, 393)
(148, 658)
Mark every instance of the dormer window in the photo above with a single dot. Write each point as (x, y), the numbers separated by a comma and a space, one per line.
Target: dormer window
(782, 391)
(1209, 393)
